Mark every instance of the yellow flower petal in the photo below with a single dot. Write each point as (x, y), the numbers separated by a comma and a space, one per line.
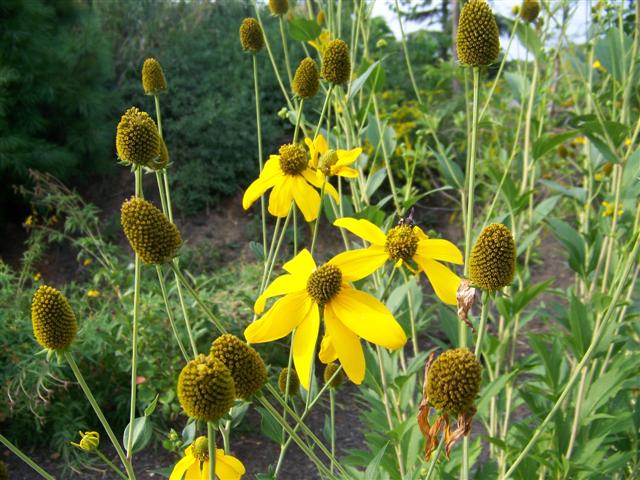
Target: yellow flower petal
(342, 171)
(368, 318)
(363, 229)
(419, 233)
(267, 179)
(444, 282)
(307, 198)
(194, 472)
(347, 345)
(439, 249)
(280, 286)
(318, 180)
(330, 189)
(281, 197)
(302, 264)
(228, 467)
(327, 352)
(357, 264)
(304, 344)
(181, 467)
(285, 315)
(347, 157)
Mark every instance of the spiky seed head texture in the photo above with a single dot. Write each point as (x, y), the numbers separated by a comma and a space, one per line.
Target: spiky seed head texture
(530, 10)
(493, 258)
(306, 80)
(245, 364)
(293, 158)
(336, 64)
(477, 41)
(251, 36)
(453, 381)
(137, 138)
(294, 381)
(149, 231)
(278, 7)
(153, 79)
(200, 448)
(205, 389)
(53, 320)
(324, 283)
(329, 370)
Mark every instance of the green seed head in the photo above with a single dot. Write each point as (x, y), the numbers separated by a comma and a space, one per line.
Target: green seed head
(401, 243)
(149, 231)
(306, 81)
(245, 364)
(453, 381)
(251, 36)
(205, 389)
(478, 41)
(54, 323)
(329, 370)
(153, 80)
(324, 283)
(278, 7)
(294, 382)
(530, 10)
(327, 160)
(137, 138)
(493, 258)
(200, 449)
(336, 64)
(293, 159)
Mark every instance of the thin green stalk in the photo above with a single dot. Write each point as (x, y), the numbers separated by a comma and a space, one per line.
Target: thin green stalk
(316, 225)
(263, 211)
(25, 458)
(403, 40)
(211, 435)
(576, 415)
(225, 431)
(323, 111)
(484, 314)
(134, 354)
(276, 250)
(270, 255)
(332, 420)
(285, 49)
(298, 117)
(110, 464)
(165, 298)
(100, 415)
(185, 313)
(434, 462)
(385, 156)
(215, 320)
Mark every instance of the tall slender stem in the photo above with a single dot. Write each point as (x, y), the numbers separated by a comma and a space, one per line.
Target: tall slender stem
(110, 464)
(211, 435)
(332, 419)
(100, 415)
(484, 313)
(403, 40)
(165, 298)
(25, 458)
(263, 211)
(285, 50)
(317, 224)
(323, 111)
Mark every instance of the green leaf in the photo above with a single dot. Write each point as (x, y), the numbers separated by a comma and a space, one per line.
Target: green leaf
(611, 51)
(579, 325)
(151, 407)
(371, 473)
(449, 169)
(189, 432)
(529, 38)
(548, 142)
(523, 297)
(374, 181)
(359, 82)
(572, 241)
(544, 208)
(573, 192)
(304, 30)
(268, 426)
(142, 432)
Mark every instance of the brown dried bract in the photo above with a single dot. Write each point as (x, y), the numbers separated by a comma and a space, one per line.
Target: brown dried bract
(466, 297)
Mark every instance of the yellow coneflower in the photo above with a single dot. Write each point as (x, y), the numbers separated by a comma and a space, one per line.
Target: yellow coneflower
(153, 79)
(195, 463)
(329, 162)
(93, 293)
(477, 40)
(493, 258)
(294, 382)
(251, 35)
(137, 138)
(321, 43)
(279, 7)
(245, 364)
(530, 10)
(609, 208)
(348, 315)
(89, 441)
(306, 80)
(53, 320)
(336, 64)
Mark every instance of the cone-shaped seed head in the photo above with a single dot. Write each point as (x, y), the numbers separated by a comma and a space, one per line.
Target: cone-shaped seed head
(493, 258)
(150, 233)
(137, 139)
(205, 389)
(153, 80)
(306, 81)
(453, 381)
(54, 323)
(336, 65)
(530, 10)
(245, 364)
(294, 382)
(251, 36)
(477, 41)
(278, 7)
(329, 370)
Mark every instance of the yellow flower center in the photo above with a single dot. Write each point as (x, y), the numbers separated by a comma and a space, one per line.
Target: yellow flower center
(324, 283)
(200, 449)
(327, 160)
(293, 159)
(401, 243)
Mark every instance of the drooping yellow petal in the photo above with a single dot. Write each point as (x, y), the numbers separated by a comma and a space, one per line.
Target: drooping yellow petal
(307, 198)
(342, 171)
(304, 344)
(330, 189)
(318, 180)
(285, 315)
(357, 264)
(194, 472)
(281, 197)
(444, 282)
(440, 249)
(368, 318)
(280, 286)
(302, 264)
(228, 467)
(347, 345)
(327, 353)
(418, 232)
(181, 467)
(347, 157)
(267, 179)
(363, 229)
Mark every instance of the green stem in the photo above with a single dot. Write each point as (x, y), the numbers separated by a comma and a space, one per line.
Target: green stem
(100, 415)
(484, 314)
(110, 464)
(323, 111)
(165, 298)
(263, 211)
(134, 354)
(298, 117)
(25, 458)
(332, 410)
(316, 226)
(285, 49)
(211, 435)
(434, 462)
(215, 320)
(185, 313)
(403, 40)
(385, 156)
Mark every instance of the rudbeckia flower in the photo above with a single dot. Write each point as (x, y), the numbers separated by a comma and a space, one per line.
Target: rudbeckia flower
(349, 315)
(292, 180)
(329, 162)
(405, 245)
(195, 464)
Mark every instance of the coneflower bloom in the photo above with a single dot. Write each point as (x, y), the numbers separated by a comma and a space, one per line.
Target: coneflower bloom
(329, 162)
